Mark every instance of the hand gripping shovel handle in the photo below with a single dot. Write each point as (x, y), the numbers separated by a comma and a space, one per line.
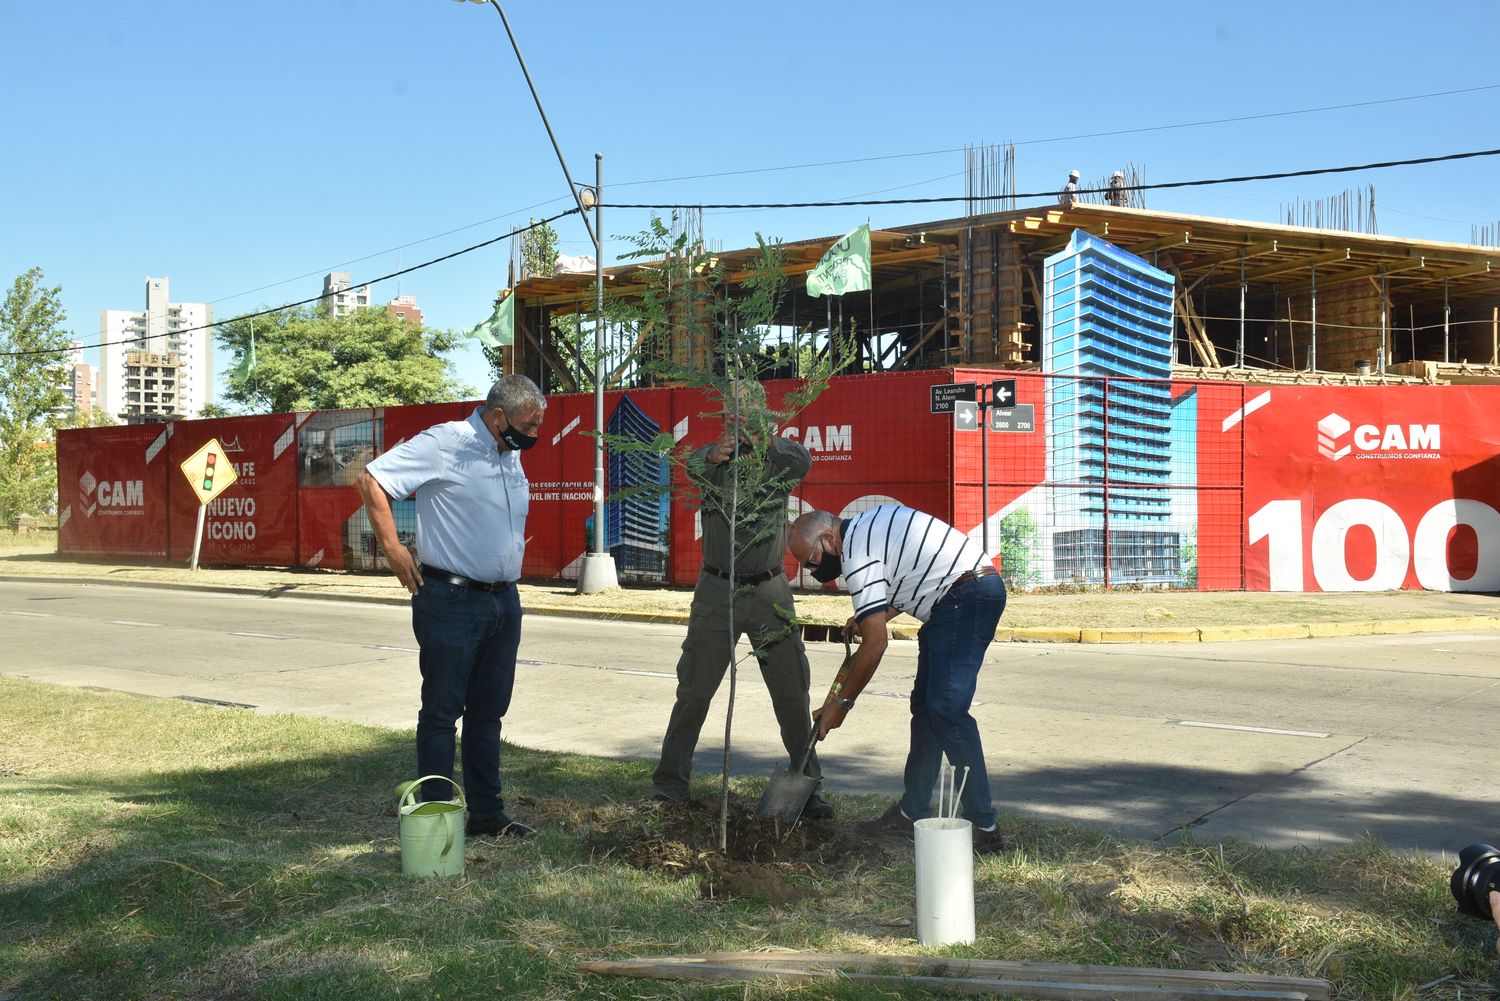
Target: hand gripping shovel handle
(835, 688)
(787, 792)
(833, 693)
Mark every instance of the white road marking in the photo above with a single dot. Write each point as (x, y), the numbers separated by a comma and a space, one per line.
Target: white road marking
(397, 649)
(261, 636)
(650, 674)
(1252, 729)
(33, 615)
(132, 622)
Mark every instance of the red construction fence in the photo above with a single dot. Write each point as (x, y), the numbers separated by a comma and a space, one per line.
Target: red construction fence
(1199, 485)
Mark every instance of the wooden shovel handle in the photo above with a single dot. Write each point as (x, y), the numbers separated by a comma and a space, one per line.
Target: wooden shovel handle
(842, 675)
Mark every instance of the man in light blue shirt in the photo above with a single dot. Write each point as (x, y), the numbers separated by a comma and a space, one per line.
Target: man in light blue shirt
(472, 496)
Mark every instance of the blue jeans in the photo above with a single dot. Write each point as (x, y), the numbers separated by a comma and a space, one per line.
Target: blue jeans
(951, 647)
(468, 641)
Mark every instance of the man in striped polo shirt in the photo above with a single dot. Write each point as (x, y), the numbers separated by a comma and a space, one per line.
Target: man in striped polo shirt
(895, 559)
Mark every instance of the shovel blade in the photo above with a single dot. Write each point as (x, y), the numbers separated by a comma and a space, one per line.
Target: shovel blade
(785, 796)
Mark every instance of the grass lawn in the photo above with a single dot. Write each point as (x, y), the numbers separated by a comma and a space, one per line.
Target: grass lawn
(160, 849)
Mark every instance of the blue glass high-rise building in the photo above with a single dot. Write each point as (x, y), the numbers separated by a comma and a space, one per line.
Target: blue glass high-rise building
(1108, 326)
(636, 522)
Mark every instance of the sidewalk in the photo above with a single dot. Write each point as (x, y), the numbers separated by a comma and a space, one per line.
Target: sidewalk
(1089, 617)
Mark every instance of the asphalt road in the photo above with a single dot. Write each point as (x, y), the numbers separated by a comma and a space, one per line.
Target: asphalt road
(1293, 742)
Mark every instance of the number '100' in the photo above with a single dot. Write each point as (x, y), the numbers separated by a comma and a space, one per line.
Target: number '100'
(1280, 523)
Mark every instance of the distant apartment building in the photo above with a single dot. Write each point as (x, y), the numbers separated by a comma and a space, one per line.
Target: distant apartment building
(83, 382)
(339, 298)
(80, 385)
(157, 364)
(83, 389)
(405, 306)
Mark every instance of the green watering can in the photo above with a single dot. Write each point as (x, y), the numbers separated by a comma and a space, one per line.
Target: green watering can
(432, 833)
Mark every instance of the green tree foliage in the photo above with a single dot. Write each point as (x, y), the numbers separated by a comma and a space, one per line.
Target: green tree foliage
(93, 417)
(308, 359)
(539, 260)
(1018, 533)
(1188, 554)
(31, 394)
(685, 293)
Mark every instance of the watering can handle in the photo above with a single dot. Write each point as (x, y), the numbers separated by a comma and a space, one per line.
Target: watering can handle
(448, 831)
(411, 791)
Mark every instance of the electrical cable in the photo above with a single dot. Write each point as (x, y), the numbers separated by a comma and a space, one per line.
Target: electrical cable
(388, 250)
(1055, 139)
(300, 302)
(1238, 179)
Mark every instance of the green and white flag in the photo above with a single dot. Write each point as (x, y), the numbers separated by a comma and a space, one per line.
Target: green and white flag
(499, 329)
(845, 268)
(247, 364)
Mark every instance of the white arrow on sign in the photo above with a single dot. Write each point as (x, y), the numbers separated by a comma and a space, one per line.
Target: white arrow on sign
(965, 415)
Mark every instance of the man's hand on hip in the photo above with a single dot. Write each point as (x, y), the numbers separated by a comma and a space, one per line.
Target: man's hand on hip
(405, 568)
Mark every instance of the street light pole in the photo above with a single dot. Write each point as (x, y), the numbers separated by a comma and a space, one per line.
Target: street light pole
(598, 570)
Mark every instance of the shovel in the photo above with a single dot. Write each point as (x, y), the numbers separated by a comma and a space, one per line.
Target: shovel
(788, 791)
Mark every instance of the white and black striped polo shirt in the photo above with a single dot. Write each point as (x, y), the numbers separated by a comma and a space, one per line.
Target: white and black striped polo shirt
(899, 557)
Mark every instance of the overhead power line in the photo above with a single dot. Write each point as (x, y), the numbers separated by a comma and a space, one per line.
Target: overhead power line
(1072, 138)
(303, 302)
(894, 156)
(1239, 179)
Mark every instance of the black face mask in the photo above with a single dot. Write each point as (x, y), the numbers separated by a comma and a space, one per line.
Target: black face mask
(514, 439)
(829, 568)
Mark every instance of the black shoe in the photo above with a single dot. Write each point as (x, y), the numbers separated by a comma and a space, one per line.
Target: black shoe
(991, 842)
(499, 824)
(817, 808)
(892, 821)
(661, 797)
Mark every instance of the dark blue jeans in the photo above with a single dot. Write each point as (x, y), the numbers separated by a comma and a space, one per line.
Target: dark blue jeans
(950, 651)
(468, 641)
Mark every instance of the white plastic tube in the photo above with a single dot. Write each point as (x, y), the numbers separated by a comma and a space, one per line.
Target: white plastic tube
(945, 880)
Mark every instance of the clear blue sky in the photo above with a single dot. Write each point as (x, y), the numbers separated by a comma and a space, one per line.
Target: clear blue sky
(246, 149)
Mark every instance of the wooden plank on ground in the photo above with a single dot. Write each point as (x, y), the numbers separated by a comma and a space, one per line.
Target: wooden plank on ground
(1315, 989)
(689, 969)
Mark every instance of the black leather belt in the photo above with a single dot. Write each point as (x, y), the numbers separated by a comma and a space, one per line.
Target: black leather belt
(970, 575)
(453, 578)
(744, 578)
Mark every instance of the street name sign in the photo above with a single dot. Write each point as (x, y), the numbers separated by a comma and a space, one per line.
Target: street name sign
(1015, 420)
(945, 394)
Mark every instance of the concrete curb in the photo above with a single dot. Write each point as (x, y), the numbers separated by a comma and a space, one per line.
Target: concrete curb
(829, 632)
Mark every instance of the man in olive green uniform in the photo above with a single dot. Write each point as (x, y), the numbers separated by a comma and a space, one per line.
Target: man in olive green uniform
(761, 594)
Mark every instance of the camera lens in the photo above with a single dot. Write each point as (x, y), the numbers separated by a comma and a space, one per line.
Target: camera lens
(1477, 874)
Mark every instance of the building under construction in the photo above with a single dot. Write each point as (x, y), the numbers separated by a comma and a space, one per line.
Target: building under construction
(1253, 302)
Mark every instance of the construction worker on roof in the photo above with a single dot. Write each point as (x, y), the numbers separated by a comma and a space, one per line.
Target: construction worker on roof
(1069, 194)
(1117, 195)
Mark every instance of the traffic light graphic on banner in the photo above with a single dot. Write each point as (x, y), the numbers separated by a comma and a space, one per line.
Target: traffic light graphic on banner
(209, 471)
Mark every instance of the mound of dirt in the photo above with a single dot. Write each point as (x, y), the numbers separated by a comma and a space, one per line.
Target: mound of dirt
(759, 859)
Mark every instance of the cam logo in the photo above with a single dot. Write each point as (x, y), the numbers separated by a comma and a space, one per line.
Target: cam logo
(113, 494)
(1410, 441)
(832, 441)
(1330, 430)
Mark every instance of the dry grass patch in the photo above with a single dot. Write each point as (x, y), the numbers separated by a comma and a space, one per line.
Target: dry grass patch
(155, 849)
